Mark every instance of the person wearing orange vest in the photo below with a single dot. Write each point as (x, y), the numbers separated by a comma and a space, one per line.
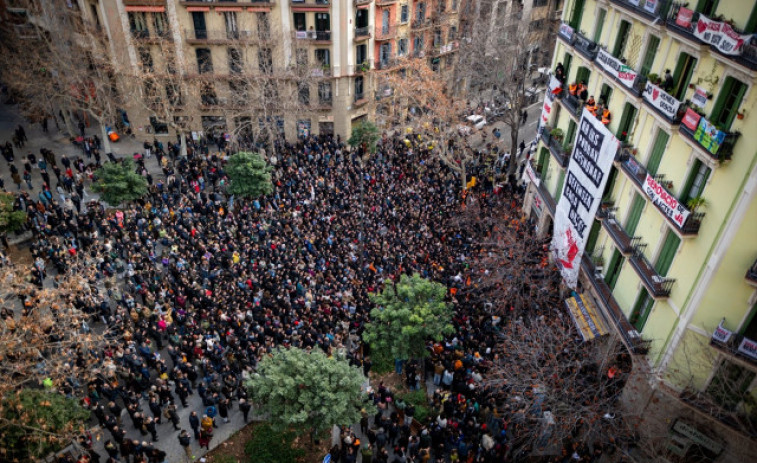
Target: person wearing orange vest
(606, 116)
(591, 105)
(582, 92)
(573, 88)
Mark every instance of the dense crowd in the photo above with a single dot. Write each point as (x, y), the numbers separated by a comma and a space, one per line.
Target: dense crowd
(195, 286)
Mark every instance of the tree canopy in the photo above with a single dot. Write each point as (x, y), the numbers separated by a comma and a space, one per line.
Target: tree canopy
(308, 391)
(364, 135)
(249, 175)
(408, 314)
(271, 446)
(118, 182)
(10, 220)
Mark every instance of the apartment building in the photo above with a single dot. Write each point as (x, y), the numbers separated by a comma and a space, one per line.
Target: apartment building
(339, 43)
(670, 255)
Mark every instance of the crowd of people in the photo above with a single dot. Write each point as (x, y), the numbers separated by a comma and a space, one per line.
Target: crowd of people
(195, 286)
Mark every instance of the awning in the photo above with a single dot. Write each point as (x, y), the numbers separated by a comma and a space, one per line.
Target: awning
(258, 9)
(222, 9)
(145, 9)
(585, 315)
(193, 9)
(317, 9)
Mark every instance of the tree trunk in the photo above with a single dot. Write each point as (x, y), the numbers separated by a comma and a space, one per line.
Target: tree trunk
(463, 174)
(183, 139)
(106, 139)
(514, 149)
(67, 122)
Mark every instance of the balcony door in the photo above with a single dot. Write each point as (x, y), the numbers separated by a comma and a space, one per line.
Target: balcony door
(198, 20)
(613, 270)
(682, 75)
(322, 22)
(385, 21)
(641, 310)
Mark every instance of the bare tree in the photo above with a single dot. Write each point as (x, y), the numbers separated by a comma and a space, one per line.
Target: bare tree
(64, 63)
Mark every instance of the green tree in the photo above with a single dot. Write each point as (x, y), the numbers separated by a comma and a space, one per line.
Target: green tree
(10, 220)
(34, 423)
(249, 175)
(272, 446)
(118, 182)
(308, 391)
(364, 135)
(408, 313)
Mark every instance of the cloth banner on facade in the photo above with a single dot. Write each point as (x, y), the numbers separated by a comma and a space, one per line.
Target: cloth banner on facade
(720, 35)
(661, 100)
(684, 17)
(748, 348)
(699, 97)
(667, 203)
(651, 6)
(625, 74)
(566, 31)
(593, 153)
(530, 176)
(586, 317)
(691, 119)
(722, 334)
(546, 109)
(709, 136)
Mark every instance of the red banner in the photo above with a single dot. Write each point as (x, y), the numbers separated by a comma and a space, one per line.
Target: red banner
(691, 119)
(684, 17)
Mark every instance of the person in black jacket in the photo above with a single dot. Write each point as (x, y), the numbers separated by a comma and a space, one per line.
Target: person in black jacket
(245, 407)
(184, 440)
(194, 423)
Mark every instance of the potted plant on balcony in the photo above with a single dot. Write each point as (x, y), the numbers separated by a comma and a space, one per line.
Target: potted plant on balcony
(654, 78)
(696, 203)
(557, 134)
(567, 148)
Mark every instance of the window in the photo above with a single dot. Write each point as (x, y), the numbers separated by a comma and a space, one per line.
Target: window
(626, 122)
(299, 22)
(696, 182)
(582, 75)
(668, 252)
(454, 5)
(402, 47)
(452, 34)
(198, 20)
(658, 149)
(385, 53)
(270, 92)
(160, 23)
(420, 14)
(173, 94)
(613, 270)
(324, 93)
(158, 127)
(571, 134)
(303, 93)
(652, 46)
(682, 75)
(322, 56)
(151, 93)
(728, 102)
(637, 206)
(622, 39)
(264, 26)
(361, 18)
(235, 61)
(265, 60)
(591, 241)
(543, 166)
(418, 45)
(560, 183)
(361, 54)
(322, 22)
(537, 3)
(404, 14)
(730, 385)
(208, 95)
(301, 56)
(204, 62)
(599, 25)
(641, 310)
(749, 330)
(238, 89)
(576, 13)
(437, 38)
(605, 94)
(138, 25)
(606, 195)
(567, 59)
(145, 59)
(95, 16)
(358, 88)
(232, 29)
(707, 7)
(385, 21)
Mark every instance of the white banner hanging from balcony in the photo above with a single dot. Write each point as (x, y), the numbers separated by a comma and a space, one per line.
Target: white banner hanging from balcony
(593, 153)
(666, 202)
(546, 109)
(625, 74)
(661, 100)
(699, 97)
(721, 334)
(720, 35)
(748, 348)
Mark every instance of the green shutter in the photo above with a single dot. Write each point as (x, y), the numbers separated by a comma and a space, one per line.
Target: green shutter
(751, 25)
(682, 74)
(567, 59)
(560, 183)
(543, 166)
(576, 14)
(652, 46)
(610, 184)
(582, 75)
(616, 263)
(695, 182)
(633, 217)
(626, 121)
(669, 248)
(658, 149)
(571, 132)
(728, 103)
(600, 25)
(707, 7)
(641, 310)
(620, 41)
(591, 241)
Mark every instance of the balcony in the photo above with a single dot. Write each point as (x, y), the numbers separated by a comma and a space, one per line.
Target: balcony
(751, 274)
(555, 147)
(719, 148)
(702, 403)
(685, 28)
(663, 103)
(650, 10)
(612, 311)
(618, 71)
(623, 242)
(734, 344)
(386, 63)
(422, 23)
(659, 287)
(549, 201)
(584, 46)
(386, 33)
(362, 33)
(362, 2)
(687, 223)
(385, 2)
(572, 104)
(221, 37)
(315, 36)
(360, 99)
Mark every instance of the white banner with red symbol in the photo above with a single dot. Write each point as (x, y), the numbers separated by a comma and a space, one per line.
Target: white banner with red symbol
(625, 74)
(590, 164)
(661, 100)
(748, 348)
(720, 35)
(722, 334)
(670, 206)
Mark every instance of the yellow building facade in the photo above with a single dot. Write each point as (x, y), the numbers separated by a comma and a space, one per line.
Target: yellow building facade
(671, 253)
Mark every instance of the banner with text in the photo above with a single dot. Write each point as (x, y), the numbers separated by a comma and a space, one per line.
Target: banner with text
(699, 97)
(625, 74)
(709, 136)
(722, 334)
(590, 164)
(720, 35)
(670, 206)
(546, 109)
(661, 100)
